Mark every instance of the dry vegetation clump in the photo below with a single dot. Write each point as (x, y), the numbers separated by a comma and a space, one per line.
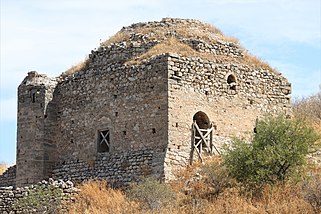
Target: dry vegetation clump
(309, 109)
(120, 36)
(97, 198)
(168, 39)
(170, 45)
(204, 32)
(174, 46)
(83, 65)
(195, 195)
(284, 198)
(152, 194)
(3, 168)
(258, 63)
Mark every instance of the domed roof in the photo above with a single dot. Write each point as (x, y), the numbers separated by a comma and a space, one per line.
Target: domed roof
(185, 37)
(181, 36)
(169, 27)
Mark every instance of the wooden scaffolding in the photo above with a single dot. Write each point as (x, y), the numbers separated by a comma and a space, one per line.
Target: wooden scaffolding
(202, 140)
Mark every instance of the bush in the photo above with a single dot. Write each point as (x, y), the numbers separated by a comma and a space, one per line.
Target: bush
(40, 200)
(152, 194)
(216, 178)
(278, 150)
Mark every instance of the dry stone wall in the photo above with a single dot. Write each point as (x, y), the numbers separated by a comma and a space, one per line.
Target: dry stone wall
(9, 196)
(8, 178)
(119, 169)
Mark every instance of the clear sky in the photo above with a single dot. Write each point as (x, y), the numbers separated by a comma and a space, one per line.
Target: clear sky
(50, 36)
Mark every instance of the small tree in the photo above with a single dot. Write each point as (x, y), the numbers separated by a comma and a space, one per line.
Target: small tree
(277, 151)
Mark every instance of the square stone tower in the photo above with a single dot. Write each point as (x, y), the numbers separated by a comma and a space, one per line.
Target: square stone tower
(151, 99)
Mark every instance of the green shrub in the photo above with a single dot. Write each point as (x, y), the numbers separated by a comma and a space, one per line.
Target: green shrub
(40, 200)
(152, 194)
(278, 150)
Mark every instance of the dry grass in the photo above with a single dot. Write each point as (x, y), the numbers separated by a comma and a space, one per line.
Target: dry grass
(289, 198)
(173, 45)
(170, 45)
(169, 42)
(309, 109)
(3, 168)
(258, 63)
(205, 32)
(83, 65)
(97, 198)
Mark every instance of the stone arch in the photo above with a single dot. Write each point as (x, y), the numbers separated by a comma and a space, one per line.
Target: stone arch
(202, 120)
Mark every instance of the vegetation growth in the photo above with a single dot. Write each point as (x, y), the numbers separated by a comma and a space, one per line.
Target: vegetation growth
(270, 166)
(174, 39)
(3, 168)
(40, 200)
(277, 152)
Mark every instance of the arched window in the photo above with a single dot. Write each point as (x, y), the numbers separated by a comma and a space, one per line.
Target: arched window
(202, 120)
(231, 81)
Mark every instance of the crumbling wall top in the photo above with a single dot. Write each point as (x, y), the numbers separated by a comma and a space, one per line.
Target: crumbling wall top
(35, 79)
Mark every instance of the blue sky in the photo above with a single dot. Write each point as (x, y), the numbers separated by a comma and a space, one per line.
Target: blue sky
(50, 36)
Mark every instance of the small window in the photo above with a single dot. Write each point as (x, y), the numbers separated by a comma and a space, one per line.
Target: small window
(104, 141)
(34, 94)
(231, 81)
(33, 97)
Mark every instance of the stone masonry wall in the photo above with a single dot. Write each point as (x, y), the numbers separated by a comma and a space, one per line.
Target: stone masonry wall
(145, 35)
(146, 105)
(201, 85)
(118, 169)
(9, 195)
(35, 148)
(8, 178)
(129, 101)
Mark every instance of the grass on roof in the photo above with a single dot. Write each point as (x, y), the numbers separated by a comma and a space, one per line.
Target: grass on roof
(173, 45)
(168, 38)
(205, 32)
(83, 65)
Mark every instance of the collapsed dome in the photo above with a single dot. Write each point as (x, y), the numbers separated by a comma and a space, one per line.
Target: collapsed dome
(186, 37)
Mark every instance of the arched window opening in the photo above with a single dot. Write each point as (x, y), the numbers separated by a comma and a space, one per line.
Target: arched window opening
(202, 120)
(231, 81)
(202, 136)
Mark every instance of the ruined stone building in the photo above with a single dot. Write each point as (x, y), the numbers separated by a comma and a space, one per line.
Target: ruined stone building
(138, 105)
